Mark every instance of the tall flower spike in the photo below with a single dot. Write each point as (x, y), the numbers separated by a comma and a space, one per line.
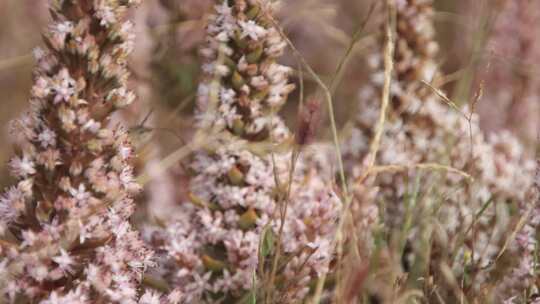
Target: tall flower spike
(213, 249)
(241, 55)
(422, 129)
(65, 231)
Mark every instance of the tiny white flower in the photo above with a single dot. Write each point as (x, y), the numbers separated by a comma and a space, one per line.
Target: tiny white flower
(80, 194)
(252, 29)
(92, 126)
(22, 167)
(47, 138)
(150, 297)
(64, 261)
(106, 14)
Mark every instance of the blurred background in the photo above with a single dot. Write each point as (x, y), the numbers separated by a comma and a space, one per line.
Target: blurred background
(165, 64)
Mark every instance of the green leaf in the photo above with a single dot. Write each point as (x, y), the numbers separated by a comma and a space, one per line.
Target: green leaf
(267, 246)
(252, 299)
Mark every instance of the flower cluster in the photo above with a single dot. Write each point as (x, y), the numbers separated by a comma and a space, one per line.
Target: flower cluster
(64, 225)
(522, 274)
(422, 129)
(212, 250)
(441, 202)
(241, 53)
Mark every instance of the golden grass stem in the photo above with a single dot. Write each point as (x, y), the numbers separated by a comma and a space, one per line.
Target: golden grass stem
(350, 48)
(423, 166)
(385, 98)
(199, 141)
(388, 68)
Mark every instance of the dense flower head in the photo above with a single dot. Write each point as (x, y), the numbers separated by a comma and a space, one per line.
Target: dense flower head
(241, 52)
(216, 237)
(211, 250)
(64, 225)
(422, 129)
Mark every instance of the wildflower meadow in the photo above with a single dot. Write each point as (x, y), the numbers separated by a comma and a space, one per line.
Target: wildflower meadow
(269, 151)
